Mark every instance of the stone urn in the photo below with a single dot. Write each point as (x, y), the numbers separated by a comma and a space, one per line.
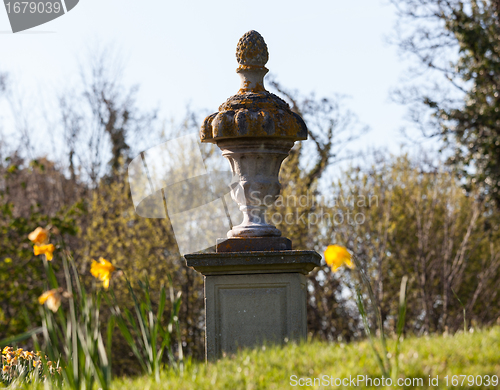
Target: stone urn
(255, 131)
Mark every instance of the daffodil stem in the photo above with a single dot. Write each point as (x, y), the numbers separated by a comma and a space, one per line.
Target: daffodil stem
(366, 282)
(369, 332)
(401, 323)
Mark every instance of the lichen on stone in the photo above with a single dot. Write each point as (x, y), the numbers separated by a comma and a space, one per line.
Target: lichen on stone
(253, 111)
(252, 50)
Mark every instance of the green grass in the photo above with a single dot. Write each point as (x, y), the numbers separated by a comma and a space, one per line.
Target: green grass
(271, 367)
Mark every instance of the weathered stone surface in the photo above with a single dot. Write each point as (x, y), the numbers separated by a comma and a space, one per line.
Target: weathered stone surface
(253, 244)
(255, 130)
(253, 111)
(252, 50)
(233, 263)
(253, 114)
(255, 164)
(248, 310)
(253, 297)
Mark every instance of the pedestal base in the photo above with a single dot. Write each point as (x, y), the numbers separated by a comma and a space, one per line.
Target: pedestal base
(253, 297)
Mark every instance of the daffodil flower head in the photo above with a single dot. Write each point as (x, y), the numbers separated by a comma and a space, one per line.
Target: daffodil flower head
(39, 236)
(52, 298)
(46, 250)
(102, 270)
(28, 355)
(337, 256)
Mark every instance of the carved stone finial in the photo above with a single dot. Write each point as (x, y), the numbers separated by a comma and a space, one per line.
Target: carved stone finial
(253, 111)
(252, 50)
(252, 55)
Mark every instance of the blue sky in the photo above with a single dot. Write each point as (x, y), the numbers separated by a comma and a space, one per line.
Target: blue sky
(184, 53)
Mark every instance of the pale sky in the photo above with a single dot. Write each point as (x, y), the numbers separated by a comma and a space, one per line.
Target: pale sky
(184, 52)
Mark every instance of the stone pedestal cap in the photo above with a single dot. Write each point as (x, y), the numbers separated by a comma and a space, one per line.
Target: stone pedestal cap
(253, 111)
(245, 263)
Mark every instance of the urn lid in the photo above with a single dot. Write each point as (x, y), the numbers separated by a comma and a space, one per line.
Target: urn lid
(253, 112)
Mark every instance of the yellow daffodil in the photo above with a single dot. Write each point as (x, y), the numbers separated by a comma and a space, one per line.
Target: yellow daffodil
(28, 355)
(10, 356)
(5, 368)
(46, 250)
(102, 270)
(52, 298)
(39, 236)
(11, 359)
(7, 350)
(337, 256)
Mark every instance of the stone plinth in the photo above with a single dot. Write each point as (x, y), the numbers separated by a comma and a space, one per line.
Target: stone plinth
(253, 297)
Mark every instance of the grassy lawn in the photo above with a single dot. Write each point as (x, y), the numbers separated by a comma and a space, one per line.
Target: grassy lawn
(475, 354)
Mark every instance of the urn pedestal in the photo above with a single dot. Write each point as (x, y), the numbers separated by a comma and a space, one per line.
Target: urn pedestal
(253, 298)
